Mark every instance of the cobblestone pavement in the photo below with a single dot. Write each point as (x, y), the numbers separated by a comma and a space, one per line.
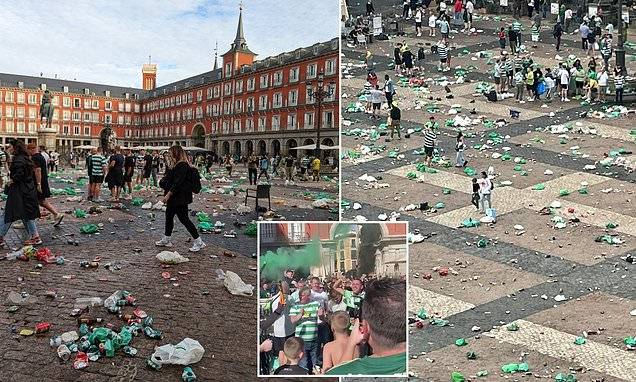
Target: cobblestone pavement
(192, 303)
(554, 284)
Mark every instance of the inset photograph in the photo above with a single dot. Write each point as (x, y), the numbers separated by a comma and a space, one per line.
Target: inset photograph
(332, 298)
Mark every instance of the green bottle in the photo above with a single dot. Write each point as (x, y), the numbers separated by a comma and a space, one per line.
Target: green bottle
(110, 349)
(83, 329)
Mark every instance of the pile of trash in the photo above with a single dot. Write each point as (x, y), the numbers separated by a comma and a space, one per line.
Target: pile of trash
(43, 255)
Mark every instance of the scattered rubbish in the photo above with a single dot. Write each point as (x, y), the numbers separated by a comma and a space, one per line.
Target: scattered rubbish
(236, 286)
(167, 257)
(186, 352)
(515, 367)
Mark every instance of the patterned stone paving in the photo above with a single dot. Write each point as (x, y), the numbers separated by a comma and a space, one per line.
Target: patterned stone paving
(555, 284)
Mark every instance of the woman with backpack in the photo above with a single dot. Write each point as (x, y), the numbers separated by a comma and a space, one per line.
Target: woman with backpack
(179, 182)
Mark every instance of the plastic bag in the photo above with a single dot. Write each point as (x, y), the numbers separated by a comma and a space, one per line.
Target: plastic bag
(186, 352)
(88, 228)
(250, 230)
(167, 257)
(539, 187)
(236, 286)
(470, 222)
(79, 213)
(137, 201)
(470, 171)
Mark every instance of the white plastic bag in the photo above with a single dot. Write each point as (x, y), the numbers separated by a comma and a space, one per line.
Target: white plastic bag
(167, 257)
(186, 352)
(236, 286)
(146, 206)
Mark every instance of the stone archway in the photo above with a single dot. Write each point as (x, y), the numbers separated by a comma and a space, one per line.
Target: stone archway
(237, 148)
(249, 146)
(276, 147)
(309, 141)
(291, 143)
(262, 147)
(198, 135)
(226, 148)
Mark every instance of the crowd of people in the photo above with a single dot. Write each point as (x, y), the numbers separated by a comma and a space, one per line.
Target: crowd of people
(264, 166)
(341, 325)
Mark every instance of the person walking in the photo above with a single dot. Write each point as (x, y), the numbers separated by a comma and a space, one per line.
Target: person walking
(512, 39)
(289, 167)
(315, 169)
(395, 115)
(178, 187)
(519, 85)
(619, 81)
(606, 49)
(389, 90)
(263, 165)
(517, 27)
(154, 167)
(96, 169)
(502, 38)
(22, 199)
(42, 182)
(485, 189)
(564, 77)
(557, 32)
(115, 176)
(419, 14)
(468, 15)
(252, 161)
(129, 170)
(530, 8)
(584, 31)
(229, 164)
(429, 141)
(397, 57)
(375, 96)
(460, 146)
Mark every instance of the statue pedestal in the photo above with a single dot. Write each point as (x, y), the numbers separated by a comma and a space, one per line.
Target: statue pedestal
(47, 138)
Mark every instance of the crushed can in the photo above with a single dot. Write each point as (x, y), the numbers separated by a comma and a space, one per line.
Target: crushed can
(188, 375)
(81, 361)
(42, 327)
(129, 351)
(73, 347)
(152, 364)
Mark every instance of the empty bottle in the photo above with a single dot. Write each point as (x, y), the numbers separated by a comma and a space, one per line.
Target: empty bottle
(83, 302)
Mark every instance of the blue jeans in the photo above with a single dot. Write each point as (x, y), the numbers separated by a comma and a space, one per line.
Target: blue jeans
(29, 224)
(311, 354)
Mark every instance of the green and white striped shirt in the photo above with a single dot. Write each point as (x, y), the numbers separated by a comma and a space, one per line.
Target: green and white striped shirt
(516, 26)
(307, 326)
(97, 165)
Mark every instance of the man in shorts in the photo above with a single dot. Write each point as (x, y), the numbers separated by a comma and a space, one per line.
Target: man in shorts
(396, 116)
(40, 170)
(139, 167)
(129, 170)
(375, 96)
(148, 167)
(96, 171)
(429, 141)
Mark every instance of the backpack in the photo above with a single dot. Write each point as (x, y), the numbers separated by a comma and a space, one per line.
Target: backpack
(195, 180)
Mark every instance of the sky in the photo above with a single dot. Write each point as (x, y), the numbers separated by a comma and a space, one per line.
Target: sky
(107, 42)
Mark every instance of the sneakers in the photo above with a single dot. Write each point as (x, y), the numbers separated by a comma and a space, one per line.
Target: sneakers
(33, 241)
(164, 242)
(197, 245)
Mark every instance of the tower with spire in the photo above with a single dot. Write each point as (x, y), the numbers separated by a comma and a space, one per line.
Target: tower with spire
(239, 54)
(216, 53)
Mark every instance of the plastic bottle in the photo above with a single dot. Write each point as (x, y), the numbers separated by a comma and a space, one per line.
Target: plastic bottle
(83, 329)
(63, 352)
(111, 301)
(129, 351)
(55, 341)
(152, 333)
(83, 302)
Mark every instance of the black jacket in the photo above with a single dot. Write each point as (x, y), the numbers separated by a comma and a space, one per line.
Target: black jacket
(177, 180)
(22, 198)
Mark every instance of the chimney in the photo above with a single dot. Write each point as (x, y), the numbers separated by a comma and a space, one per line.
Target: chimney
(149, 76)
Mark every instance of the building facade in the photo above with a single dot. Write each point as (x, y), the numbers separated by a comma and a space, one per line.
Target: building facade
(245, 105)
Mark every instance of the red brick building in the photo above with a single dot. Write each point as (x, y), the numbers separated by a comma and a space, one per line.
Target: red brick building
(242, 106)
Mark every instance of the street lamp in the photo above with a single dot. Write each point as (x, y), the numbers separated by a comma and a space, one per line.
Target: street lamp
(620, 50)
(320, 93)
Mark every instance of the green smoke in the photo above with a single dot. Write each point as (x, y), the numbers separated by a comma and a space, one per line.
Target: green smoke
(274, 264)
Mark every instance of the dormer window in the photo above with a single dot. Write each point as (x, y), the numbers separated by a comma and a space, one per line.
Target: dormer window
(65, 89)
(20, 84)
(87, 91)
(228, 69)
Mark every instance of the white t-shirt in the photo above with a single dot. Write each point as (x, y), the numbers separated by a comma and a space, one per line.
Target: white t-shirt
(375, 96)
(484, 185)
(46, 156)
(283, 326)
(432, 21)
(602, 79)
(418, 16)
(320, 297)
(470, 7)
(568, 14)
(565, 77)
(549, 82)
(442, 6)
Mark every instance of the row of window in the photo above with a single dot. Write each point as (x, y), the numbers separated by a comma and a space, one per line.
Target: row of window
(34, 99)
(236, 87)
(238, 126)
(238, 106)
(31, 127)
(67, 115)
